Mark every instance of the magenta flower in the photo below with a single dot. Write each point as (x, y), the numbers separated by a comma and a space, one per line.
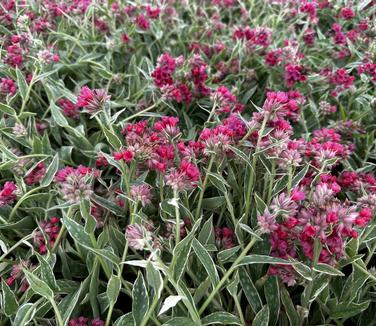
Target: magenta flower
(7, 193)
(92, 100)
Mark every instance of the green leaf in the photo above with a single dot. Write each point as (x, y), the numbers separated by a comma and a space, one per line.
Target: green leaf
(112, 207)
(291, 312)
(262, 259)
(262, 317)
(218, 181)
(250, 231)
(113, 289)
(222, 318)
(299, 177)
(242, 155)
(10, 304)
(38, 286)
(8, 153)
(113, 139)
(125, 320)
(260, 205)
(179, 321)
(50, 172)
(7, 109)
(327, 269)
(77, 232)
(271, 291)
(154, 279)
(24, 314)
(90, 223)
(21, 83)
(170, 302)
(206, 235)
(347, 310)
(303, 270)
(140, 303)
(207, 261)
(182, 250)
(69, 303)
(46, 273)
(58, 117)
(250, 291)
(225, 255)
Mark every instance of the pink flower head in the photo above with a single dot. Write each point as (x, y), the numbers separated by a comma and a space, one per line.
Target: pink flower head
(35, 175)
(92, 100)
(51, 229)
(74, 183)
(294, 74)
(184, 178)
(141, 193)
(168, 126)
(70, 109)
(297, 195)
(7, 86)
(142, 22)
(125, 155)
(347, 13)
(137, 236)
(7, 193)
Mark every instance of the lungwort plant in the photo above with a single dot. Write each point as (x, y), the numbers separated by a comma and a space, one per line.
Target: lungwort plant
(187, 162)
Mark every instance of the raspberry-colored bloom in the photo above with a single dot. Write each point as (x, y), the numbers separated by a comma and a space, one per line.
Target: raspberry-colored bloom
(7, 193)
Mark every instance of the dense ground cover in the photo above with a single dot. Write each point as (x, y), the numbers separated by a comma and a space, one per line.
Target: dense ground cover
(187, 162)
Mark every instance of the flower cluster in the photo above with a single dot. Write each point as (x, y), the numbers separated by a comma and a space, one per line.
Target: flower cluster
(7, 193)
(47, 234)
(74, 183)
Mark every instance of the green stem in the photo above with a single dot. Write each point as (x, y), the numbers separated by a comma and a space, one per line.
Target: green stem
(239, 309)
(60, 321)
(153, 304)
(248, 199)
(306, 298)
(15, 246)
(28, 92)
(289, 182)
(177, 217)
(62, 231)
(198, 209)
(271, 183)
(109, 314)
(369, 256)
(227, 275)
(102, 262)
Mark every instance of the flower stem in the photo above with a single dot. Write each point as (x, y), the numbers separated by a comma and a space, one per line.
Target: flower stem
(60, 321)
(198, 209)
(177, 217)
(227, 275)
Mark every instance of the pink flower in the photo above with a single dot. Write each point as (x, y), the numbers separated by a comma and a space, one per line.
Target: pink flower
(7, 86)
(92, 100)
(51, 229)
(35, 175)
(125, 155)
(141, 193)
(184, 178)
(347, 13)
(137, 236)
(142, 22)
(7, 193)
(297, 195)
(168, 126)
(70, 109)
(74, 183)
